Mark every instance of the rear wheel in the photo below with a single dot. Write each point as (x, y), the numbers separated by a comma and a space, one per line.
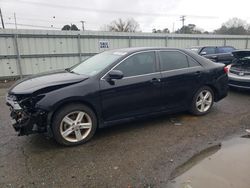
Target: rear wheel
(202, 101)
(74, 124)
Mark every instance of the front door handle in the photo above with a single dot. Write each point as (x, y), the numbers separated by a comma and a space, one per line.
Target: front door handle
(198, 73)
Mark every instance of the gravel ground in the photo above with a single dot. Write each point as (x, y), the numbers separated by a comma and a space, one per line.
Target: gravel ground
(136, 154)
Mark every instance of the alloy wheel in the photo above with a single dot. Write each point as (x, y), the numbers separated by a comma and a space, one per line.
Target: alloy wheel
(204, 101)
(75, 126)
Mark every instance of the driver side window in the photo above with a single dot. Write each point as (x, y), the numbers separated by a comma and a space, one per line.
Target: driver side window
(138, 64)
(209, 50)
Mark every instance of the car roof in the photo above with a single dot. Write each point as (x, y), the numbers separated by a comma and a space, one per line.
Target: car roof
(138, 49)
(128, 51)
(209, 46)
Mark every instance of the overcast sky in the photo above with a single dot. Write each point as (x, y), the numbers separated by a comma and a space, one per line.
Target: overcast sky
(159, 14)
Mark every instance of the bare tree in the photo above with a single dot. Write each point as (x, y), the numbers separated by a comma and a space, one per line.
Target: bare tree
(234, 26)
(236, 22)
(72, 27)
(166, 30)
(189, 29)
(130, 25)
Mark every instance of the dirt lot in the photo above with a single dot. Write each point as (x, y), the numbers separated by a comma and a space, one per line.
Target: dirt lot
(138, 154)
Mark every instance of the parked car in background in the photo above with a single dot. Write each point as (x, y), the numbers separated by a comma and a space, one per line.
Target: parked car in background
(239, 70)
(220, 54)
(115, 86)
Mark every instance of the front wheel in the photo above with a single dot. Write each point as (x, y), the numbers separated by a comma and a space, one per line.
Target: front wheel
(202, 101)
(74, 124)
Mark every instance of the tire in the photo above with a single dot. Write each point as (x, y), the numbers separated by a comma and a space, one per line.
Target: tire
(74, 124)
(201, 106)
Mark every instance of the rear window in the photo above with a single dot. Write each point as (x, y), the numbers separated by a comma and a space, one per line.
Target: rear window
(225, 49)
(192, 62)
(172, 60)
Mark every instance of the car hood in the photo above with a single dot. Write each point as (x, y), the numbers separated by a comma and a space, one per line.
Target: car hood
(32, 84)
(241, 53)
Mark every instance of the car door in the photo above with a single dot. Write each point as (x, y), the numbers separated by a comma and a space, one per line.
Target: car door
(210, 53)
(137, 92)
(208, 50)
(225, 54)
(181, 77)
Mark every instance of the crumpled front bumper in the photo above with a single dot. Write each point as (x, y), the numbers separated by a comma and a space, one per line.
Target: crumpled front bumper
(26, 123)
(22, 123)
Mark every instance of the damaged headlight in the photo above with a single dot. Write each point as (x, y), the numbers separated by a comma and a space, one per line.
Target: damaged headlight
(11, 97)
(11, 101)
(25, 102)
(30, 102)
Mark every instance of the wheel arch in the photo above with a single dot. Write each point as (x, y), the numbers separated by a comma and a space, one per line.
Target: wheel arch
(215, 91)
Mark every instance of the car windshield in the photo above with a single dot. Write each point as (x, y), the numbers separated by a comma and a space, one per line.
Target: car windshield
(97, 63)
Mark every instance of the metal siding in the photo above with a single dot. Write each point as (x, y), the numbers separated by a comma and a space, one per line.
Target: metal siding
(8, 67)
(7, 46)
(238, 44)
(147, 42)
(37, 65)
(214, 42)
(247, 43)
(118, 43)
(60, 49)
(89, 45)
(181, 43)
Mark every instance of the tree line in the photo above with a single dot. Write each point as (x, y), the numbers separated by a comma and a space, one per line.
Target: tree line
(234, 26)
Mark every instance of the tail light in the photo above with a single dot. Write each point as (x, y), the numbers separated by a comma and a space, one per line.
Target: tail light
(227, 68)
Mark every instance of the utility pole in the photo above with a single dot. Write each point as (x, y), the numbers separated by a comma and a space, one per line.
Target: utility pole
(1, 15)
(82, 24)
(15, 20)
(182, 19)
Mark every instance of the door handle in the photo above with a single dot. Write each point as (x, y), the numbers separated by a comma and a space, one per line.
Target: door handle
(197, 73)
(214, 57)
(155, 80)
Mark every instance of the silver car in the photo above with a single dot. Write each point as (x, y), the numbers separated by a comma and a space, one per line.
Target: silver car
(239, 70)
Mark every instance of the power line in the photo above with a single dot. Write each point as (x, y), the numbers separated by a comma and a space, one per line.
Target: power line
(52, 21)
(69, 21)
(63, 21)
(39, 20)
(111, 11)
(29, 25)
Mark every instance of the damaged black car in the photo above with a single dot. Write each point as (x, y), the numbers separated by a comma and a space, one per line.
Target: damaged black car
(112, 87)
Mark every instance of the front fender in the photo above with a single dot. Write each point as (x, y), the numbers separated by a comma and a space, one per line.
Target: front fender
(84, 93)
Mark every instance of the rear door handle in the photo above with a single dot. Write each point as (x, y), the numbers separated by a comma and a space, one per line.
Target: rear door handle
(155, 80)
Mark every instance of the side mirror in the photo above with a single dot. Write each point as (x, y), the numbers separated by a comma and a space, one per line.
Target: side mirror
(115, 75)
(203, 53)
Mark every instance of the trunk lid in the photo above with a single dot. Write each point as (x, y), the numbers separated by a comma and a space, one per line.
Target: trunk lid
(241, 54)
(241, 63)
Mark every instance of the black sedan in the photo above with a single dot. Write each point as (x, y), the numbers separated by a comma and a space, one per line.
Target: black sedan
(218, 54)
(112, 87)
(239, 70)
